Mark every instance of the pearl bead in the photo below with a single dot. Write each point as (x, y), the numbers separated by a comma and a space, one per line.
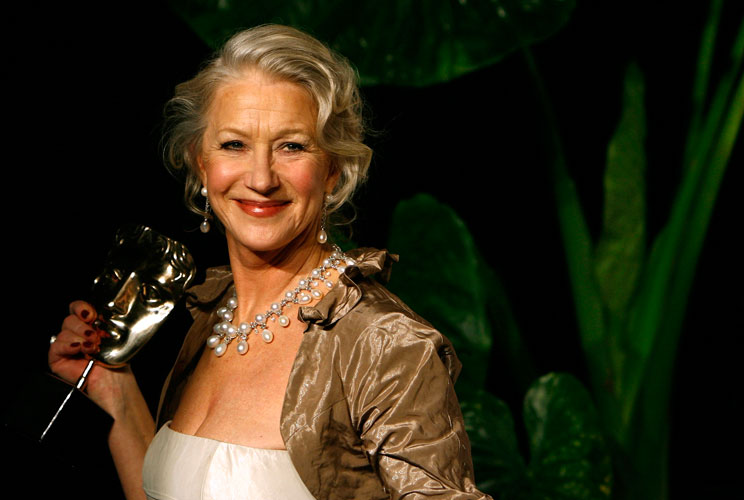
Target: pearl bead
(204, 226)
(284, 321)
(232, 303)
(242, 347)
(244, 327)
(221, 311)
(315, 273)
(204, 191)
(322, 236)
(314, 283)
(327, 263)
(220, 350)
(329, 283)
(317, 294)
(303, 283)
(350, 262)
(260, 318)
(276, 307)
(227, 316)
(213, 341)
(290, 295)
(305, 298)
(267, 336)
(341, 269)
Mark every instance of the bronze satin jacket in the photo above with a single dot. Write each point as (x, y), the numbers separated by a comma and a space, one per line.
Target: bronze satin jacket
(370, 410)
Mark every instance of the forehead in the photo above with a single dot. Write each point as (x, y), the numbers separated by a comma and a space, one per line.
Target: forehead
(257, 96)
(140, 253)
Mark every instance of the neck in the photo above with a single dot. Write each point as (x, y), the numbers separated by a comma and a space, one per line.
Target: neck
(262, 277)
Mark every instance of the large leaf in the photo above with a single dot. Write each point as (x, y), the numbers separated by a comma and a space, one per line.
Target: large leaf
(569, 458)
(620, 250)
(439, 276)
(402, 42)
(499, 466)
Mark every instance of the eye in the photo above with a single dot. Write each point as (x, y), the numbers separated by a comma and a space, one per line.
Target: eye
(293, 147)
(151, 294)
(232, 145)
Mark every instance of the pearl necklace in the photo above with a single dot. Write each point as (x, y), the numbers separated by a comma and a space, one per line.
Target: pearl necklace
(307, 289)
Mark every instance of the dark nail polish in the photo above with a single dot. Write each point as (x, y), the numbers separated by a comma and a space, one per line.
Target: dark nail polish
(87, 344)
(84, 314)
(88, 333)
(75, 344)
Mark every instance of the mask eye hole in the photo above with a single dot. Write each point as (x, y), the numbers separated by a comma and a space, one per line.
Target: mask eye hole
(151, 294)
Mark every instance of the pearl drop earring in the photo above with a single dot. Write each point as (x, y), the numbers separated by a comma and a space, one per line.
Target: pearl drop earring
(322, 235)
(204, 227)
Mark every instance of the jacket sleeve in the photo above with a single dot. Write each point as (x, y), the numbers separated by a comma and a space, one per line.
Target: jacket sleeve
(408, 416)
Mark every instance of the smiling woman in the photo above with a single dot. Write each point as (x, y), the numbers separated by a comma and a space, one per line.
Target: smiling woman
(316, 381)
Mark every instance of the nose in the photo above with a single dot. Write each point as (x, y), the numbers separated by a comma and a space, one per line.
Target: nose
(125, 297)
(261, 176)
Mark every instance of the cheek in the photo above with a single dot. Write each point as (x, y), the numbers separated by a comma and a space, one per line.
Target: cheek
(219, 174)
(310, 182)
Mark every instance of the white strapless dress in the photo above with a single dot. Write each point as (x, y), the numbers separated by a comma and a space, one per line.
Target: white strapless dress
(182, 467)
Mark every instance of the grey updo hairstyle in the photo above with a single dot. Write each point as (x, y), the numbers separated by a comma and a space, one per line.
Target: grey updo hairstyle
(291, 55)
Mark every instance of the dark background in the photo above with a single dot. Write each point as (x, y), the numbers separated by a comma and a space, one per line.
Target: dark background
(84, 94)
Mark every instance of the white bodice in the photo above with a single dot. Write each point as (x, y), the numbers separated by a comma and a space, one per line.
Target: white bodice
(183, 467)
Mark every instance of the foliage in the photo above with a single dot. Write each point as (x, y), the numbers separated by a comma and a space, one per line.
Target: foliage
(408, 42)
(630, 303)
(569, 458)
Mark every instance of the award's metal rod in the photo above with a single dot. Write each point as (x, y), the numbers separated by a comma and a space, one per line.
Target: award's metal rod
(78, 386)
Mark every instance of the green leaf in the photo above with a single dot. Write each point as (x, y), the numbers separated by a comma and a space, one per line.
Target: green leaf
(499, 466)
(702, 76)
(439, 276)
(569, 458)
(620, 250)
(401, 42)
(579, 251)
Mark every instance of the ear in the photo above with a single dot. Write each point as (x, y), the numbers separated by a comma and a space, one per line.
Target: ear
(202, 171)
(334, 174)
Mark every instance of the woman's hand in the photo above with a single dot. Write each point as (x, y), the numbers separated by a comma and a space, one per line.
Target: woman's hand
(70, 352)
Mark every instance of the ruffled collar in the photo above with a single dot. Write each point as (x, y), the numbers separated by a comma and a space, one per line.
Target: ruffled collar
(336, 303)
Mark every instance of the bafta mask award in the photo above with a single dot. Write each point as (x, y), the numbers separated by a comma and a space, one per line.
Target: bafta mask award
(144, 276)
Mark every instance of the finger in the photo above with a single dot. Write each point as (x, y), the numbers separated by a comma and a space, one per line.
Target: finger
(83, 310)
(67, 344)
(80, 328)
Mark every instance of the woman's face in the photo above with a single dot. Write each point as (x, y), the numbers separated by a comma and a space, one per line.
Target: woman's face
(260, 161)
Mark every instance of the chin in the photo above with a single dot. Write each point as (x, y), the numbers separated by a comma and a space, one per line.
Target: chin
(271, 243)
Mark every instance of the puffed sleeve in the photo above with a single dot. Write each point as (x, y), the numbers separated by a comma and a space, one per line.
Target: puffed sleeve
(407, 414)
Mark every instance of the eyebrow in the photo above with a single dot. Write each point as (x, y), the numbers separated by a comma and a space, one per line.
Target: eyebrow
(279, 133)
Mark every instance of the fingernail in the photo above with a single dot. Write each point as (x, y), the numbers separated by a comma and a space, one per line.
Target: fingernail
(88, 333)
(84, 313)
(87, 344)
(75, 344)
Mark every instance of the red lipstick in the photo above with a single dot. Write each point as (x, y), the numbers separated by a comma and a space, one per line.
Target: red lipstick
(261, 208)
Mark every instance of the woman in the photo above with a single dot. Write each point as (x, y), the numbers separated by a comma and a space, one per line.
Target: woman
(315, 381)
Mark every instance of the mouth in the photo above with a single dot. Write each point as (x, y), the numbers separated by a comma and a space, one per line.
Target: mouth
(262, 208)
